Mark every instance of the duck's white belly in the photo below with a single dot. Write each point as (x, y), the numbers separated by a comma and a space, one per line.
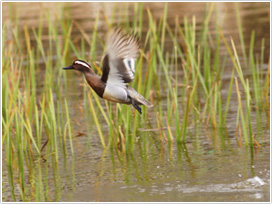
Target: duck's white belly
(115, 94)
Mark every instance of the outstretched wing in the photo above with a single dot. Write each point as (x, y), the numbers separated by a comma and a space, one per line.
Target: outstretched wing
(119, 61)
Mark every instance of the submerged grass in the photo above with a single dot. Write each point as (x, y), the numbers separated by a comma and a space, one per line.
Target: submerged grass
(36, 122)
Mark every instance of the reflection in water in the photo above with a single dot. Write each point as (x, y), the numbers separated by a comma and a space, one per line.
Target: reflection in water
(181, 176)
(209, 167)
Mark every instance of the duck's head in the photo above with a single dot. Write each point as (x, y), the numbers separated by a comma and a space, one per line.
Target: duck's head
(79, 65)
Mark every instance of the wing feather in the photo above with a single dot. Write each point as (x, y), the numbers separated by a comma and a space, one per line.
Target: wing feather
(119, 61)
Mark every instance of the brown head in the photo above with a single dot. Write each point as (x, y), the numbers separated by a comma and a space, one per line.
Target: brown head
(80, 65)
(93, 80)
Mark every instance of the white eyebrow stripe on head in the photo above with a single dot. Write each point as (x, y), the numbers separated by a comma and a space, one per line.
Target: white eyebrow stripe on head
(82, 63)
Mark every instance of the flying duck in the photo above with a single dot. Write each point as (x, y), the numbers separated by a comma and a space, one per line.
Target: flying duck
(118, 69)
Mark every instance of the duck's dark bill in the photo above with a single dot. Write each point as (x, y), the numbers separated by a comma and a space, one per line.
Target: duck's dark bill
(70, 67)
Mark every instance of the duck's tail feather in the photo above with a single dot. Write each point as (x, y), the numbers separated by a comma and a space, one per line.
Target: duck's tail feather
(138, 98)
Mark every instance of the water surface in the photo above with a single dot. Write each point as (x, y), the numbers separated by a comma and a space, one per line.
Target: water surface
(200, 170)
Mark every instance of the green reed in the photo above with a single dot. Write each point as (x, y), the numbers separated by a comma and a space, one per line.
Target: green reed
(30, 121)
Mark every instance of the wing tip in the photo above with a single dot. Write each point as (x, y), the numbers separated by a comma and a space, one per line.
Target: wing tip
(133, 35)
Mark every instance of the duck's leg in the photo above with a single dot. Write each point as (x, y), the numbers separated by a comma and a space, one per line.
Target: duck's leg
(135, 105)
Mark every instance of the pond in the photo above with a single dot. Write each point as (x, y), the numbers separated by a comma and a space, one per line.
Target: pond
(213, 161)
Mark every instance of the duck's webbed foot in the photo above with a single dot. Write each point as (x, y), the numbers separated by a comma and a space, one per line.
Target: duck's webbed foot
(136, 106)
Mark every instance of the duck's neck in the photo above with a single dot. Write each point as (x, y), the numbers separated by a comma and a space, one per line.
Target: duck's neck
(95, 82)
